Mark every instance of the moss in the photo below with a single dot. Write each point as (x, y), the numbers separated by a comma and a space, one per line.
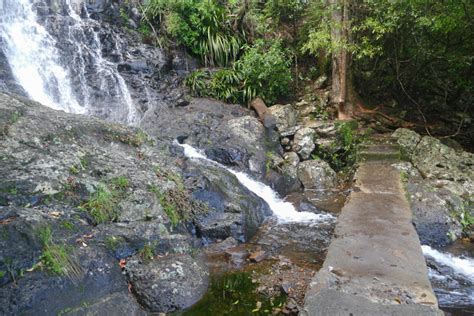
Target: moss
(103, 204)
(135, 139)
(67, 225)
(114, 242)
(147, 253)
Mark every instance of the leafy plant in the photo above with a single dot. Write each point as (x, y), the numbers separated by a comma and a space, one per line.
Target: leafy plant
(204, 27)
(263, 70)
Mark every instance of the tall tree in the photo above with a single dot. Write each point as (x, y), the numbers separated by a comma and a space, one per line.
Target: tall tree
(342, 89)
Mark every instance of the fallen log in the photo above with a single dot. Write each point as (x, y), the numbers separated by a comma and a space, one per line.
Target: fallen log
(263, 113)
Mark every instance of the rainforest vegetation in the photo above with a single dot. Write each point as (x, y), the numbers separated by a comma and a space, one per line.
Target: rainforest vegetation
(413, 58)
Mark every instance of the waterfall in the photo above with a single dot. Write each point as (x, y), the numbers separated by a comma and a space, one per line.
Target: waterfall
(284, 211)
(58, 61)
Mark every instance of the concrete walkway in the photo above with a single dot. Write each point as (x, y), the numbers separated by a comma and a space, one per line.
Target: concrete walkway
(374, 264)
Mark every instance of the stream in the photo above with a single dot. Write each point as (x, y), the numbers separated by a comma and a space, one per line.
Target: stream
(269, 273)
(298, 236)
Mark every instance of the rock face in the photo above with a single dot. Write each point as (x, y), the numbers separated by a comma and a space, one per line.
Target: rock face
(98, 189)
(317, 174)
(229, 134)
(168, 284)
(440, 186)
(303, 143)
(112, 71)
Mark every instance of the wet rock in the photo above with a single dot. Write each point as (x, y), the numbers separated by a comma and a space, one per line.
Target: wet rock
(436, 210)
(235, 211)
(317, 174)
(227, 133)
(289, 169)
(303, 143)
(440, 185)
(285, 116)
(223, 245)
(169, 283)
(54, 162)
(285, 141)
(286, 287)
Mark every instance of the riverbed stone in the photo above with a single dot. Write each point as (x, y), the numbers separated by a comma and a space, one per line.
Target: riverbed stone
(437, 161)
(235, 211)
(168, 283)
(285, 115)
(303, 142)
(317, 174)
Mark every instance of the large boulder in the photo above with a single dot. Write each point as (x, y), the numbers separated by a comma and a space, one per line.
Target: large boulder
(285, 115)
(303, 142)
(436, 161)
(317, 174)
(235, 211)
(229, 134)
(168, 283)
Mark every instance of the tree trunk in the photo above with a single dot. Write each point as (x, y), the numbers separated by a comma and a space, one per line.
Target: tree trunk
(342, 89)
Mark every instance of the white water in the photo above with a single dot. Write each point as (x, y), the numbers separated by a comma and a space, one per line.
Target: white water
(285, 212)
(34, 59)
(462, 266)
(57, 78)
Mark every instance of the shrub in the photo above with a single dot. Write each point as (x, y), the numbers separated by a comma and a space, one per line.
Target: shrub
(202, 26)
(263, 70)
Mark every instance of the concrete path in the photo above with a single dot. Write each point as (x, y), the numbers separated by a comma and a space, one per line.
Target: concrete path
(374, 264)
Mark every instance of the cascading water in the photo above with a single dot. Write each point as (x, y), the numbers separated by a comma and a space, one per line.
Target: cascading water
(285, 212)
(452, 278)
(34, 58)
(58, 61)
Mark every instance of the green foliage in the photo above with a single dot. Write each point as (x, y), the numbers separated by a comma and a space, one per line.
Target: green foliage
(466, 217)
(266, 72)
(263, 71)
(103, 204)
(67, 225)
(204, 27)
(176, 201)
(420, 51)
(147, 253)
(236, 294)
(197, 83)
(169, 204)
(120, 183)
(113, 242)
(56, 258)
